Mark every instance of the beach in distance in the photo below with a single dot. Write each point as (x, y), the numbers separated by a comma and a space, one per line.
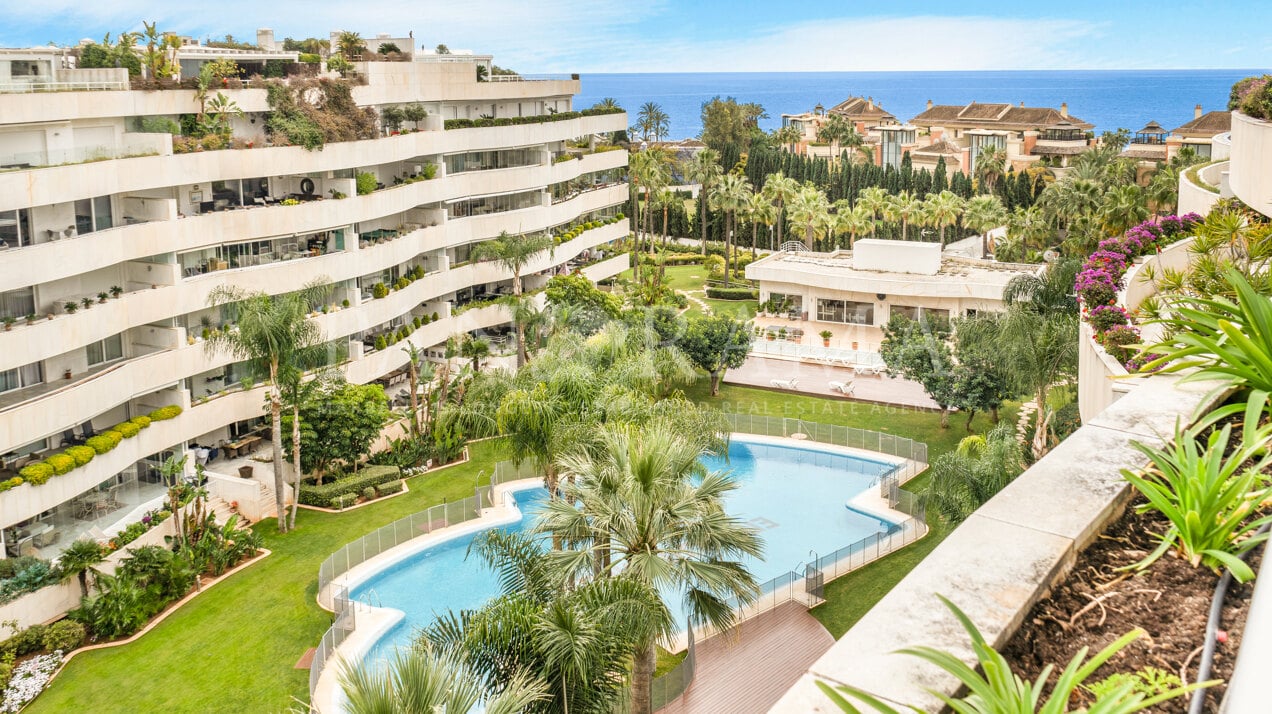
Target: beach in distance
(1109, 99)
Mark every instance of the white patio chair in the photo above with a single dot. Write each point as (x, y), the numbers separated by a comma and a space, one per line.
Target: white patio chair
(844, 388)
(784, 383)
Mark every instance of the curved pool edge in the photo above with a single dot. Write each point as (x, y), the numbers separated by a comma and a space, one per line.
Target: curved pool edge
(373, 624)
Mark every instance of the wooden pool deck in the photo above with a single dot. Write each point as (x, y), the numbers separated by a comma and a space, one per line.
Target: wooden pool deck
(747, 670)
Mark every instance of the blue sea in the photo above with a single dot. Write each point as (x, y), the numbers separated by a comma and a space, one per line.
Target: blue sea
(1108, 99)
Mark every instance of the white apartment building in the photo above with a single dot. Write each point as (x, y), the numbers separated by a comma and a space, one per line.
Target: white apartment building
(111, 243)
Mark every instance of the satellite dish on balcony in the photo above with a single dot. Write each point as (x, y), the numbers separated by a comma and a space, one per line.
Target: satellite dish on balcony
(794, 246)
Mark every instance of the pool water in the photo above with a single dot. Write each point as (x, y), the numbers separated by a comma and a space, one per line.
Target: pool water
(795, 496)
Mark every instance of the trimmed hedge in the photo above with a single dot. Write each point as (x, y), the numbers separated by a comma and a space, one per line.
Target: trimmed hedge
(326, 495)
(127, 429)
(343, 502)
(733, 294)
(142, 421)
(81, 454)
(385, 489)
(61, 463)
(11, 483)
(104, 441)
(36, 474)
(540, 119)
(164, 413)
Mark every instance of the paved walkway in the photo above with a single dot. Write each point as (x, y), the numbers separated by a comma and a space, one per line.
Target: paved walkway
(816, 378)
(747, 670)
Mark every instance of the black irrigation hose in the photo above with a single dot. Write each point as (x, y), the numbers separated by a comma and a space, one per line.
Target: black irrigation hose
(1212, 631)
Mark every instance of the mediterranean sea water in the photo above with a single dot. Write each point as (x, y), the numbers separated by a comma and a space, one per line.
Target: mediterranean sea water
(1109, 99)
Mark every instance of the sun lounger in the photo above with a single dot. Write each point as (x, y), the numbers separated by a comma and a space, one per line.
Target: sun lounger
(783, 383)
(844, 388)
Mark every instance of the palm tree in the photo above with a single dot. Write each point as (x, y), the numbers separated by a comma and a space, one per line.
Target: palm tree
(475, 349)
(514, 253)
(652, 121)
(635, 506)
(983, 213)
(732, 194)
(1049, 293)
(874, 200)
(608, 104)
(421, 680)
(273, 333)
(854, 221)
(759, 211)
(979, 468)
(808, 210)
(943, 210)
(413, 359)
(1163, 188)
(79, 560)
(904, 207)
(650, 169)
(350, 45)
(1028, 228)
(779, 189)
(991, 162)
(1122, 207)
(787, 136)
(704, 170)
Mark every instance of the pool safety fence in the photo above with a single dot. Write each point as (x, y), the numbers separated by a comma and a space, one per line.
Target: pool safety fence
(667, 687)
(805, 584)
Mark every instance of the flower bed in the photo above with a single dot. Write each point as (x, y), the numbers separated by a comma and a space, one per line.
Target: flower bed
(29, 679)
(1101, 277)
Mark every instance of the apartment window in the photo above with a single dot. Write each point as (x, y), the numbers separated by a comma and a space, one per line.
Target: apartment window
(108, 350)
(93, 214)
(17, 303)
(487, 160)
(846, 311)
(19, 377)
(917, 313)
(15, 228)
(494, 204)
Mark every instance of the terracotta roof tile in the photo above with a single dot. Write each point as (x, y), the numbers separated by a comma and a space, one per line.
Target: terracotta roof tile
(1207, 125)
(999, 116)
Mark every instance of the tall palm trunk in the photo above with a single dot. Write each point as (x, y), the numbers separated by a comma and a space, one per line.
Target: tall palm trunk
(903, 227)
(636, 219)
(643, 678)
(276, 436)
(414, 377)
(702, 212)
(517, 324)
(296, 473)
(728, 237)
(1042, 421)
(662, 264)
(755, 238)
(781, 220)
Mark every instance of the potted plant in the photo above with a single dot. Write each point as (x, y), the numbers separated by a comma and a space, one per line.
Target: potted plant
(854, 344)
(245, 471)
(781, 334)
(70, 306)
(116, 291)
(8, 323)
(101, 297)
(826, 335)
(86, 302)
(30, 318)
(66, 374)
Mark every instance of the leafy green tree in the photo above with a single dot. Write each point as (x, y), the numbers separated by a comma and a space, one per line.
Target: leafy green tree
(808, 210)
(652, 123)
(639, 506)
(716, 344)
(350, 45)
(731, 195)
(984, 213)
(581, 304)
(273, 334)
(919, 351)
(726, 121)
(421, 680)
(780, 191)
(339, 425)
(514, 253)
(943, 210)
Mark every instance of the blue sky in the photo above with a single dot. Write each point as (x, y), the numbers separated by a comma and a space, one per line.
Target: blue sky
(718, 35)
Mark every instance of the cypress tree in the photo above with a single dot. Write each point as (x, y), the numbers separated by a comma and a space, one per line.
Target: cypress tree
(939, 180)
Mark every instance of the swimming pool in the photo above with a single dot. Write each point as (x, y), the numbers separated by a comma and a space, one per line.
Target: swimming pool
(794, 495)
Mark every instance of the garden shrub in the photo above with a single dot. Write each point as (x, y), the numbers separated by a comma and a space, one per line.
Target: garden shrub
(366, 182)
(61, 463)
(127, 429)
(344, 501)
(81, 454)
(25, 574)
(164, 413)
(64, 635)
(9, 483)
(325, 496)
(385, 489)
(141, 421)
(1252, 96)
(379, 290)
(732, 293)
(102, 443)
(36, 474)
(368, 493)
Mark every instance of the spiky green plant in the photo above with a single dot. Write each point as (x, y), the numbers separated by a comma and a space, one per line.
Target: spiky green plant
(998, 690)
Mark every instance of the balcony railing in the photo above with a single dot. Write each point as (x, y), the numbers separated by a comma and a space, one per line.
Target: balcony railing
(32, 87)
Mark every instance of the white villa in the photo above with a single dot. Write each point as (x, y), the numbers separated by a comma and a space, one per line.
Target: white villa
(111, 242)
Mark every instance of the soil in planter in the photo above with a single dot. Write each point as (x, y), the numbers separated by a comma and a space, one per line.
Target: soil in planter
(1170, 601)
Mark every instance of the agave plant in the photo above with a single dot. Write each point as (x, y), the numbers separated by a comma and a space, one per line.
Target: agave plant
(1209, 498)
(1000, 691)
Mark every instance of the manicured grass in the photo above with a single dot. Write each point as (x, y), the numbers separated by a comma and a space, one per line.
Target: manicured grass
(234, 647)
(668, 661)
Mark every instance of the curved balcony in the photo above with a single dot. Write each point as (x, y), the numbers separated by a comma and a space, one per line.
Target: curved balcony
(1201, 187)
(1250, 171)
(53, 409)
(46, 262)
(56, 184)
(46, 338)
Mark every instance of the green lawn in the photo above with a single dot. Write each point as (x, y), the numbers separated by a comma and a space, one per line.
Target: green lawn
(690, 279)
(234, 647)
